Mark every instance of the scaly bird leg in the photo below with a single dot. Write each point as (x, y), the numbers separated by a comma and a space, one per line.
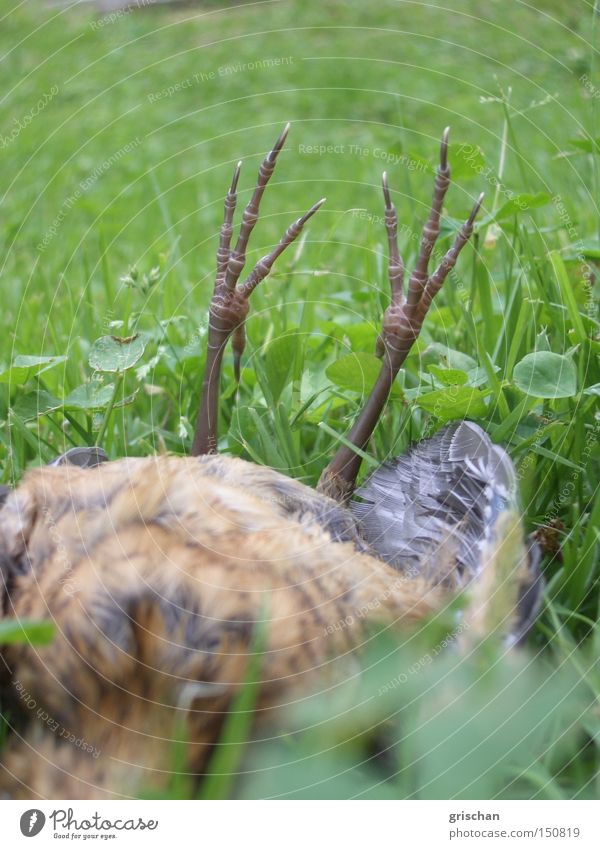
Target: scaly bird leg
(229, 305)
(402, 322)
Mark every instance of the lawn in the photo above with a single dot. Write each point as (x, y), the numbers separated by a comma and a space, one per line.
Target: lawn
(118, 135)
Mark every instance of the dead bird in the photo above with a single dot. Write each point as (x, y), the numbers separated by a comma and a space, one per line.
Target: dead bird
(158, 571)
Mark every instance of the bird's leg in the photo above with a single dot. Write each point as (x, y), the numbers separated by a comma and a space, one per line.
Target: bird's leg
(229, 304)
(402, 322)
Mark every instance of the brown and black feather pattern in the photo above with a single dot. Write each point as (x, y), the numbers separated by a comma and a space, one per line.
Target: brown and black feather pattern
(156, 572)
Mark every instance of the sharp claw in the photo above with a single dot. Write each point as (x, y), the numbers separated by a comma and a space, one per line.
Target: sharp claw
(236, 177)
(264, 265)
(279, 143)
(386, 190)
(444, 150)
(314, 208)
(237, 257)
(475, 210)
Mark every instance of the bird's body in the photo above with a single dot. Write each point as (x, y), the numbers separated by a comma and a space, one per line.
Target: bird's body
(155, 572)
(159, 573)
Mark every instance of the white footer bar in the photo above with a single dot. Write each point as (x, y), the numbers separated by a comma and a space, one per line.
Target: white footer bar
(303, 824)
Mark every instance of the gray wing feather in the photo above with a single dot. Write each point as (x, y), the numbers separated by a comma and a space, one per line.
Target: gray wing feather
(87, 457)
(452, 485)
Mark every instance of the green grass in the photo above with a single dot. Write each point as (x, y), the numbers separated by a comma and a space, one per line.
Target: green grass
(112, 199)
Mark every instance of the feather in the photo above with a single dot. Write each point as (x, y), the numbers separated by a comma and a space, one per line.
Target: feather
(447, 490)
(86, 457)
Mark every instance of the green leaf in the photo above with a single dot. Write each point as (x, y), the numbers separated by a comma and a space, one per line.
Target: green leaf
(546, 375)
(467, 160)
(454, 403)
(566, 288)
(115, 353)
(586, 145)
(411, 161)
(90, 396)
(362, 336)
(588, 249)
(454, 359)
(522, 203)
(358, 372)
(478, 376)
(25, 367)
(449, 376)
(278, 362)
(34, 404)
(371, 461)
(39, 632)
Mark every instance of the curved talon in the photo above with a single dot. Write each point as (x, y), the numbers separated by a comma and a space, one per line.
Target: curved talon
(224, 251)
(444, 150)
(431, 230)
(309, 214)
(476, 208)
(272, 156)
(395, 263)
(386, 191)
(236, 177)
(265, 264)
(436, 281)
(237, 259)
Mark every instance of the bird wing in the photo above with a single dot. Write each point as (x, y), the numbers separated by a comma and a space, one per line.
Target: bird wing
(447, 490)
(88, 457)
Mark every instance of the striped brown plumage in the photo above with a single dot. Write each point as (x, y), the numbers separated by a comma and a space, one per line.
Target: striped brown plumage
(155, 572)
(160, 572)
